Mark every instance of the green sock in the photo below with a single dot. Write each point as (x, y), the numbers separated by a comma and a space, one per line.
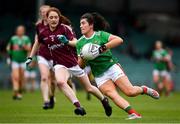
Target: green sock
(128, 108)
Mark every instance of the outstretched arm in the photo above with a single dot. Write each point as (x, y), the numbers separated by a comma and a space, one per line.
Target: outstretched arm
(63, 39)
(33, 51)
(73, 42)
(35, 47)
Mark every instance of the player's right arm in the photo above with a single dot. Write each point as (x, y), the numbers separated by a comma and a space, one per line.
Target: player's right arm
(35, 47)
(8, 47)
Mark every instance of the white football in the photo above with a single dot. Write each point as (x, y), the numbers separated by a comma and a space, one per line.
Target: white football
(87, 51)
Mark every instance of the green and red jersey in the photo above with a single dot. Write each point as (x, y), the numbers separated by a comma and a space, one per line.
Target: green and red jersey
(105, 60)
(17, 51)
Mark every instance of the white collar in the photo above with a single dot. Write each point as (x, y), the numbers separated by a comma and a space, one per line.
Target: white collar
(90, 37)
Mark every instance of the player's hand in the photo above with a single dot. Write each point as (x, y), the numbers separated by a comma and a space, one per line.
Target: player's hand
(98, 50)
(95, 51)
(102, 48)
(28, 61)
(20, 46)
(8, 61)
(63, 39)
(81, 55)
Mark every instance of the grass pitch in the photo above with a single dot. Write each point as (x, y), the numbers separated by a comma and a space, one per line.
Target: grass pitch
(29, 109)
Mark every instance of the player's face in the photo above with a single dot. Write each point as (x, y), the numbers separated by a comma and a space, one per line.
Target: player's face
(53, 19)
(43, 12)
(20, 31)
(85, 26)
(158, 45)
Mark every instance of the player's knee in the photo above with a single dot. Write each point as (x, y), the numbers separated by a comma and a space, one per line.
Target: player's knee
(155, 80)
(44, 79)
(16, 78)
(61, 83)
(109, 93)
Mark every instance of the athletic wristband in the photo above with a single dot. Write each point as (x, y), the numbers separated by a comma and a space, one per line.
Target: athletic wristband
(102, 48)
(29, 58)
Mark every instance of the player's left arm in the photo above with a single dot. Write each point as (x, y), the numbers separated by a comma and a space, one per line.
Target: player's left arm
(166, 57)
(72, 42)
(27, 45)
(110, 41)
(113, 41)
(69, 37)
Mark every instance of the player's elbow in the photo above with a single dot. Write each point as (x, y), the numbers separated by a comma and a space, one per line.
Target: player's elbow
(120, 40)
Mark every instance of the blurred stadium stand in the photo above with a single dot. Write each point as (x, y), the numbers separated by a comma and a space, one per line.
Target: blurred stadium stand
(139, 22)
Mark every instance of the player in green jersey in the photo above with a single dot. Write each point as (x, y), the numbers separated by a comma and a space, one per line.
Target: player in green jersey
(171, 68)
(161, 59)
(107, 71)
(18, 48)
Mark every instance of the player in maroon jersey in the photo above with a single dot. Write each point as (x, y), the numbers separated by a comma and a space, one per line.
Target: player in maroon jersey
(65, 60)
(45, 62)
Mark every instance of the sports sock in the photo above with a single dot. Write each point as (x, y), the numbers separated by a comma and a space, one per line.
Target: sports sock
(144, 90)
(77, 104)
(16, 92)
(104, 101)
(130, 110)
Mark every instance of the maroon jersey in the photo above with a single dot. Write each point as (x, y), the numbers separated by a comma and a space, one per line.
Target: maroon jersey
(61, 54)
(43, 49)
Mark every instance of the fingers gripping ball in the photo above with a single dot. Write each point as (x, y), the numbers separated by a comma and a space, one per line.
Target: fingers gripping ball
(90, 51)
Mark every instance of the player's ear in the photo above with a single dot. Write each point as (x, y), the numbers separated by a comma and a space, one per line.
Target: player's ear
(91, 26)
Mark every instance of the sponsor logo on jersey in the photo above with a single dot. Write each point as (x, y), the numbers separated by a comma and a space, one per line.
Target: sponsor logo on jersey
(55, 46)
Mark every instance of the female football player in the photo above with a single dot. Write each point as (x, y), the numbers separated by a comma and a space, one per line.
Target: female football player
(107, 71)
(18, 48)
(162, 61)
(44, 62)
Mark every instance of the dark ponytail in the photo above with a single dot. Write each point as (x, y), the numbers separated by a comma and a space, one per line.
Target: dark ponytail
(97, 20)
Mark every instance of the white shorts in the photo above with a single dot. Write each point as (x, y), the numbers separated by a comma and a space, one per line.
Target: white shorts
(87, 69)
(163, 73)
(18, 65)
(113, 73)
(169, 77)
(48, 63)
(74, 71)
(30, 74)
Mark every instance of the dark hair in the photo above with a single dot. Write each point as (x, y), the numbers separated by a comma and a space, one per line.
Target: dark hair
(63, 19)
(97, 20)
